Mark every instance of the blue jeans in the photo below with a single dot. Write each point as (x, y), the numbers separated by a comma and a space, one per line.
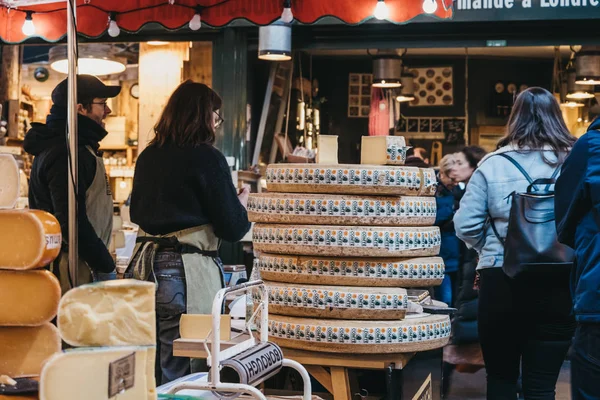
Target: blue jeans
(585, 363)
(445, 292)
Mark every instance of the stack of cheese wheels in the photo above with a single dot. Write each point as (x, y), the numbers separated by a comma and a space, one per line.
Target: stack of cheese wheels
(112, 326)
(29, 295)
(336, 246)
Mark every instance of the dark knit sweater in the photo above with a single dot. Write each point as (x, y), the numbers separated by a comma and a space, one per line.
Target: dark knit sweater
(178, 188)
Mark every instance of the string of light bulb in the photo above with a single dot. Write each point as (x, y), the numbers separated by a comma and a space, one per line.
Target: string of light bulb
(382, 11)
(195, 23)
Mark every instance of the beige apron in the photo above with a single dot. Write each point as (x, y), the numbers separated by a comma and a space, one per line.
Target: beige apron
(99, 208)
(203, 273)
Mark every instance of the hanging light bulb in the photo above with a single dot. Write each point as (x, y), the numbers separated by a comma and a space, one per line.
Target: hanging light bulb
(286, 15)
(196, 21)
(381, 10)
(113, 28)
(430, 6)
(28, 27)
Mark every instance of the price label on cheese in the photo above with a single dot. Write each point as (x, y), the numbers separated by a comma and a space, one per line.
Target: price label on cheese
(53, 241)
(121, 375)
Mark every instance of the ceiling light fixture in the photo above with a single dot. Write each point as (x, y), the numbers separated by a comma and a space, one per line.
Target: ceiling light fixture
(407, 93)
(157, 43)
(113, 27)
(196, 21)
(587, 65)
(28, 28)
(387, 71)
(287, 16)
(381, 10)
(575, 91)
(430, 6)
(275, 42)
(94, 59)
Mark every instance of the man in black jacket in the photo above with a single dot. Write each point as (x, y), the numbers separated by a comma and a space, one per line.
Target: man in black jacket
(48, 189)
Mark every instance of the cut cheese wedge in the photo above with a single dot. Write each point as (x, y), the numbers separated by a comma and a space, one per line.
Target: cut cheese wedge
(317, 301)
(354, 241)
(328, 149)
(345, 336)
(379, 272)
(330, 209)
(24, 350)
(112, 313)
(344, 179)
(383, 150)
(28, 298)
(84, 374)
(28, 239)
(9, 181)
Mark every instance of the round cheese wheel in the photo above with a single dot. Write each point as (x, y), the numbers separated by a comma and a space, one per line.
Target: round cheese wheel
(28, 239)
(28, 298)
(332, 209)
(355, 241)
(9, 181)
(337, 301)
(374, 272)
(350, 179)
(422, 333)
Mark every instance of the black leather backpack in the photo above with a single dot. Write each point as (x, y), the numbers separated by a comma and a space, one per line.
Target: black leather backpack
(531, 244)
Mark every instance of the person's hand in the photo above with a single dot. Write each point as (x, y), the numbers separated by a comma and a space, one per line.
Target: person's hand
(243, 196)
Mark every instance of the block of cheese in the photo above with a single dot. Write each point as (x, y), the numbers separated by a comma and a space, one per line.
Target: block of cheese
(327, 150)
(331, 209)
(28, 298)
(354, 241)
(199, 326)
(24, 350)
(428, 182)
(9, 181)
(344, 179)
(366, 271)
(112, 313)
(344, 302)
(383, 150)
(28, 239)
(84, 374)
(420, 333)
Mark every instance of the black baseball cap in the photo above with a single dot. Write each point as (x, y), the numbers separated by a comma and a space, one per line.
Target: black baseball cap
(88, 88)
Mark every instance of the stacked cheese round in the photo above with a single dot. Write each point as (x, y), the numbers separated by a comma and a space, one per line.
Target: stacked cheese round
(29, 295)
(336, 246)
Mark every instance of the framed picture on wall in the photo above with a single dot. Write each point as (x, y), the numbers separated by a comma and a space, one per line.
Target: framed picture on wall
(359, 95)
(434, 86)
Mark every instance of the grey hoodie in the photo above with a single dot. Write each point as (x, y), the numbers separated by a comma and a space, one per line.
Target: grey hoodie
(488, 191)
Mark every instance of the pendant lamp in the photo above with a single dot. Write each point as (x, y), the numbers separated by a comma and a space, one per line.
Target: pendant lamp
(407, 92)
(575, 91)
(587, 66)
(94, 59)
(387, 71)
(275, 42)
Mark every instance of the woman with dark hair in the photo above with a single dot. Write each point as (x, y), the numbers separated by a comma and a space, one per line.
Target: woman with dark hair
(525, 322)
(185, 203)
(466, 163)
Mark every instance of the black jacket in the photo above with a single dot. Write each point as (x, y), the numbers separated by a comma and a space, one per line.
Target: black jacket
(48, 186)
(176, 188)
(577, 210)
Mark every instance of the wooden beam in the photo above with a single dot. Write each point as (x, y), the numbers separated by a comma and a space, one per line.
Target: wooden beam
(340, 383)
(321, 375)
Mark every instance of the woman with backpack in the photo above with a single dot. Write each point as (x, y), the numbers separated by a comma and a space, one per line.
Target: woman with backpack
(524, 312)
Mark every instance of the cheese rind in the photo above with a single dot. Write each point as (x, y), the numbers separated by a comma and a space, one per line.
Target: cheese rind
(422, 333)
(383, 150)
(428, 182)
(84, 374)
(9, 181)
(328, 149)
(28, 298)
(28, 239)
(365, 271)
(24, 350)
(344, 179)
(341, 209)
(112, 313)
(354, 241)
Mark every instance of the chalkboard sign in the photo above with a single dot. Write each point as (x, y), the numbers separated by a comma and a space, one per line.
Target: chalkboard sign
(436, 125)
(424, 125)
(454, 131)
(413, 125)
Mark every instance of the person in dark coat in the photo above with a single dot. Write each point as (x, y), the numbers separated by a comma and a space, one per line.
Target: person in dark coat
(577, 211)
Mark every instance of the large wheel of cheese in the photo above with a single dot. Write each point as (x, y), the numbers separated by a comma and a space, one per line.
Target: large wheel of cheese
(368, 272)
(9, 181)
(28, 298)
(350, 179)
(28, 239)
(24, 350)
(354, 241)
(337, 301)
(328, 209)
(424, 332)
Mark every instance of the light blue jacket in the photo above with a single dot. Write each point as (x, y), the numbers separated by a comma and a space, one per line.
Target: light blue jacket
(488, 191)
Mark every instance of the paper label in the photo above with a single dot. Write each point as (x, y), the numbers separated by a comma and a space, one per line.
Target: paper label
(121, 375)
(53, 241)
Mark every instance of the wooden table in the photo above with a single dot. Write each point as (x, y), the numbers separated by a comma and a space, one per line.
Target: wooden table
(334, 371)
